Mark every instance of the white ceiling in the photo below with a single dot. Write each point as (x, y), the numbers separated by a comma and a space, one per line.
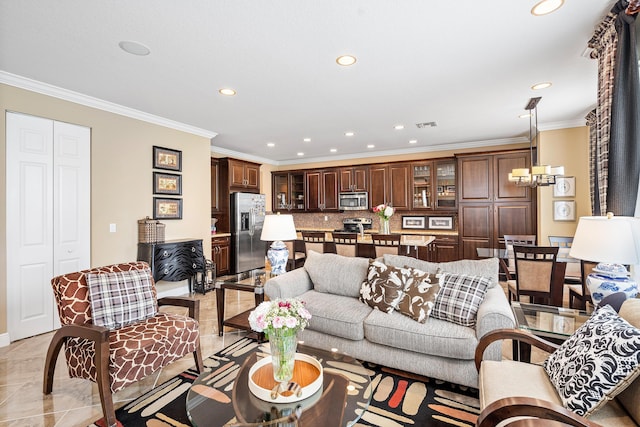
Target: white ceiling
(467, 65)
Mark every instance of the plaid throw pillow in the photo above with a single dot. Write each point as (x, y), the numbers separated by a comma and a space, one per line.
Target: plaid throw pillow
(121, 298)
(459, 298)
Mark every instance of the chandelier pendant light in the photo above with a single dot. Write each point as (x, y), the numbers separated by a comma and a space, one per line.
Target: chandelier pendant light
(537, 175)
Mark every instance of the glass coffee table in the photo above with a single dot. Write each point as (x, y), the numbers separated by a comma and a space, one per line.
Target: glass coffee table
(554, 324)
(216, 400)
(249, 281)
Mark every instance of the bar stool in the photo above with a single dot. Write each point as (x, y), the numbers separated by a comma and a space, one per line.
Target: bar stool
(345, 243)
(386, 243)
(314, 240)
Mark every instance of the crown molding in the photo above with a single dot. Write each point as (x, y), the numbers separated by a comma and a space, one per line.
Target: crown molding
(562, 125)
(100, 104)
(244, 156)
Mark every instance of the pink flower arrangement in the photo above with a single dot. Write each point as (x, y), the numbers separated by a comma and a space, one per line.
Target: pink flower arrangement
(278, 314)
(384, 211)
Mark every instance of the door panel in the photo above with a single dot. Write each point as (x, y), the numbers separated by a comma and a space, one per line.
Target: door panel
(475, 179)
(378, 191)
(513, 219)
(505, 190)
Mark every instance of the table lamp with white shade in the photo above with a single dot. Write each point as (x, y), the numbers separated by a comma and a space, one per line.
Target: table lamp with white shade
(609, 241)
(277, 228)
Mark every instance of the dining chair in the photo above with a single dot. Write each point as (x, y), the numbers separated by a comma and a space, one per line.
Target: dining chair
(297, 254)
(579, 293)
(535, 267)
(509, 241)
(563, 243)
(314, 241)
(386, 243)
(345, 243)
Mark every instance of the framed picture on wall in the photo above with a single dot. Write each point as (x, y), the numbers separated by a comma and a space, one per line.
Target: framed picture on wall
(166, 158)
(167, 183)
(440, 223)
(565, 186)
(564, 210)
(417, 222)
(167, 208)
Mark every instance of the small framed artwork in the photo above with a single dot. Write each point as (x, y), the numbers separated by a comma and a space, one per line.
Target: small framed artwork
(440, 223)
(565, 186)
(167, 208)
(415, 222)
(564, 210)
(166, 158)
(440, 189)
(167, 183)
(450, 188)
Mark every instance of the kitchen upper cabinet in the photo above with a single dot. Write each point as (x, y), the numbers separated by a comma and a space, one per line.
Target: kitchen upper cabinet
(353, 179)
(434, 185)
(242, 175)
(484, 178)
(322, 190)
(288, 191)
(215, 201)
(391, 184)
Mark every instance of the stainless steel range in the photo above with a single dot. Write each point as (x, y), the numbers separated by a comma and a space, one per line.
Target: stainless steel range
(352, 225)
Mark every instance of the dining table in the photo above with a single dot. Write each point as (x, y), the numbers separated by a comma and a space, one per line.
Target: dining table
(559, 270)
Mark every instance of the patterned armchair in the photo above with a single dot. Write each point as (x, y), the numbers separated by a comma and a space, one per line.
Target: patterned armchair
(116, 356)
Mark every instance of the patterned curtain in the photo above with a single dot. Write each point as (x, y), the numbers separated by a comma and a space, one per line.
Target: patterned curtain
(616, 155)
(596, 207)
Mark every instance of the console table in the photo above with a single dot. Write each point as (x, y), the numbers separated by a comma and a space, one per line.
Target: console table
(173, 260)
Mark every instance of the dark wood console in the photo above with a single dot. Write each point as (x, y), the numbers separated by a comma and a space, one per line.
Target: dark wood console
(173, 260)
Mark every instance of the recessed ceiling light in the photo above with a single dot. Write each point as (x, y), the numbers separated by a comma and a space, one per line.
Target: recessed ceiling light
(270, 144)
(307, 140)
(300, 154)
(227, 91)
(349, 133)
(398, 127)
(546, 6)
(371, 146)
(524, 116)
(413, 141)
(334, 150)
(346, 60)
(134, 48)
(542, 85)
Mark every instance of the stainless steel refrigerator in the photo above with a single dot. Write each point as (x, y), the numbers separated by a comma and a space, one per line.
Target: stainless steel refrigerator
(247, 218)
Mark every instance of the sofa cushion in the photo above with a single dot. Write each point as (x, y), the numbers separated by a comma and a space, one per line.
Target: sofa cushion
(629, 398)
(459, 298)
(405, 261)
(419, 296)
(336, 315)
(435, 337)
(121, 298)
(488, 268)
(384, 286)
(336, 274)
(596, 363)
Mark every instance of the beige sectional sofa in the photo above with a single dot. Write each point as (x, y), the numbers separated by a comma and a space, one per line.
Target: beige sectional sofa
(330, 285)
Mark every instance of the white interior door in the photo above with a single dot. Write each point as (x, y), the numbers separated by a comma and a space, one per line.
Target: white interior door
(48, 214)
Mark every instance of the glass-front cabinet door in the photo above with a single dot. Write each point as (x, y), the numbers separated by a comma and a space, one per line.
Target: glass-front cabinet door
(445, 176)
(288, 191)
(422, 191)
(434, 185)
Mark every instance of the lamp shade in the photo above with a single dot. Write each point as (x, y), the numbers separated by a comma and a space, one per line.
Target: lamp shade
(605, 240)
(278, 227)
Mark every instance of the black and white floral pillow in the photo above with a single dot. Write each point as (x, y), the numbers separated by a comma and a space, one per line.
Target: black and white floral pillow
(596, 363)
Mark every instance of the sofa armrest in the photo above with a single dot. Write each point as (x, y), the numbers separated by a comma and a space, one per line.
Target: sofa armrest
(494, 313)
(288, 285)
(543, 411)
(511, 334)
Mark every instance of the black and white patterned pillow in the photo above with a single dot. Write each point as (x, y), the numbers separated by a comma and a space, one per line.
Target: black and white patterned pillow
(596, 363)
(459, 298)
(121, 298)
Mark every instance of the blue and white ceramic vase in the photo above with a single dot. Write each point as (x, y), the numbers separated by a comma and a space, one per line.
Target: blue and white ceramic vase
(607, 279)
(278, 256)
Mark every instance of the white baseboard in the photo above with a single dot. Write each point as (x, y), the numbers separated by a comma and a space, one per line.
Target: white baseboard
(4, 340)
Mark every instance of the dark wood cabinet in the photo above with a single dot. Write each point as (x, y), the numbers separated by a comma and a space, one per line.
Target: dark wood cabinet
(220, 254)
(288, 191)
(322, 190)
(353, 179)
(434, 185)
(173, 260)
(390, 184)
(442, 249)
(215, 200)
(242, 175)
(491, 206)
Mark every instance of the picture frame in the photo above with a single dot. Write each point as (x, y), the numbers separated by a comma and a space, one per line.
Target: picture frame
(565, 186)
(440, 189)
(450, 188)
(564, 210)
(167, 183)
(413, 222)
(166, 158)
(440, 223)
(164, 208)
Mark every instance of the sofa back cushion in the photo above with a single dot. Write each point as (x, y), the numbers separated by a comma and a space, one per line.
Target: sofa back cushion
(336, 274)
(629, 398)
(401, 261)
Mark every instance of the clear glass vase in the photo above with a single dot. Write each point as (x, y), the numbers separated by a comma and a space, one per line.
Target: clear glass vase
(283, 343)
(384, 226)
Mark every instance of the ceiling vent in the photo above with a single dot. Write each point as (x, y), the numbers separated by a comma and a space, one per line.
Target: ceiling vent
(426, 125)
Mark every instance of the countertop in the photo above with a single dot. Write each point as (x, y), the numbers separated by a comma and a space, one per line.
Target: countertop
(213, 236)
(404, 232)
(406, 239)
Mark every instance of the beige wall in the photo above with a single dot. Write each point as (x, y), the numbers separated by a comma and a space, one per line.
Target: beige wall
(569, 148)
(121, 177)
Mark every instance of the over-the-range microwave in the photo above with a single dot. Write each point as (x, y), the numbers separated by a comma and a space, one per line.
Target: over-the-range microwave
(353, 201)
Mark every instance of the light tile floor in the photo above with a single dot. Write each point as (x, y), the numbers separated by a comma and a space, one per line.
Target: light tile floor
(76, 402)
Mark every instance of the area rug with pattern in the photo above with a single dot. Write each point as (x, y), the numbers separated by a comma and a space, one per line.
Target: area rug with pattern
(397, 398)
